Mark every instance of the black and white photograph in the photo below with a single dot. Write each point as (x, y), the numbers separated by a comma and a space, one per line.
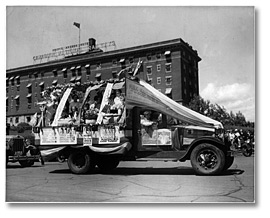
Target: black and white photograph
(130, 104)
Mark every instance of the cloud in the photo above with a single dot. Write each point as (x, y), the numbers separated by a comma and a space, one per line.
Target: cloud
(234, 97)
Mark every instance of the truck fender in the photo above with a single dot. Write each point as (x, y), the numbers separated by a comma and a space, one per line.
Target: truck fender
(211, 140)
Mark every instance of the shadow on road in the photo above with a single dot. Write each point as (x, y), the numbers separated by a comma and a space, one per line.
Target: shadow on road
(127, 171)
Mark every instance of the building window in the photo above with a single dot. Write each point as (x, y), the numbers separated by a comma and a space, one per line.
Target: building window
(168, 67)
(131, 60)
(159, 67)
(28, 119)
(18, 88)
(79, 71)
(29, 75)
(17, 99)
(158, 55)
(114, 62)
(36, 75)
(29, 87)
(168, 80)
(18, 80)
(149, 81)
(11, 120)
(12, 81)
(42, 74)
(114, 74)
(17, 120)
(64, 73)
(158, 80)
(55, 73)
(148, 56)
(98, 66)
(149, 70)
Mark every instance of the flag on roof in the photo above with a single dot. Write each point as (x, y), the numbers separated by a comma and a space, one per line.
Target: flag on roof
(139, 64)
(77, 24)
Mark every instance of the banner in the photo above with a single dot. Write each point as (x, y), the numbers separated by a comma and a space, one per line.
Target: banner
(109, 134)
(162, 137)
(59, 136)
(61, 106)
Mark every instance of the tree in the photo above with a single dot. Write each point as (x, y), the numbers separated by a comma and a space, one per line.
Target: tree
(219, 113)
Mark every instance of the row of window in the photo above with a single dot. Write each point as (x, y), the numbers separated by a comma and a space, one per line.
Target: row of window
(78, 68)
(168, 68)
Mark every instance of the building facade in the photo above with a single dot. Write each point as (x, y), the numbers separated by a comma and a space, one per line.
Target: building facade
(170, 66)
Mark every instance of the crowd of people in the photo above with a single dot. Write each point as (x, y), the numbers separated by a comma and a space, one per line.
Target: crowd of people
(236, 137)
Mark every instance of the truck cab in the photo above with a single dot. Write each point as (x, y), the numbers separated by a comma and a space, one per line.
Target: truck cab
(139, 124)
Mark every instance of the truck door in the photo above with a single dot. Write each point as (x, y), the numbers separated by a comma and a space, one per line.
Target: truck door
(153, 132)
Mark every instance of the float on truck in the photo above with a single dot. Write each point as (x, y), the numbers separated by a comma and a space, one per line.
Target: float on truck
(108, 137)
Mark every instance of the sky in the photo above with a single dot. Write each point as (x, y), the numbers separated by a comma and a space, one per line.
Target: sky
(223, 36)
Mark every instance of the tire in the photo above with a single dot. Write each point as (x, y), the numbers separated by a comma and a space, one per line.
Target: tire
(228, 162)
(246, 151)
(107, 163)
(207, 159)
(26, 163)
(80, 162)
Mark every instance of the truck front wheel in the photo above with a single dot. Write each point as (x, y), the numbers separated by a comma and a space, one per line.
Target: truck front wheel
(207, 159)
(80, 162)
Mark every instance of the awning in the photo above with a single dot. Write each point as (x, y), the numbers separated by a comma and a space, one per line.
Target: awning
(122, 60)
(29, 85)
(41, 84)
(16, 97)
(64, 69)
(29, 95)
(72, 79)
(11, 78)
(118, 85)
(168, 91)
(72, 68)
(87, 65)
(98, 75)
(54, 82)
(167, 53)
(17, 77)
(78, 78)
(144, 95)
(78, 67)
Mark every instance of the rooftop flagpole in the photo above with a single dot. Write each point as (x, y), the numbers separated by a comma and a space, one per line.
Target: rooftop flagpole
(78, 25)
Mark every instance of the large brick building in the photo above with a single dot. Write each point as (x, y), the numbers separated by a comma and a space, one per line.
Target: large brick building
(170, 66)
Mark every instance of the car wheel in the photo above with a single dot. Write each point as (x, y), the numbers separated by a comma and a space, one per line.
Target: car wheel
(207, 159)
(26, 163)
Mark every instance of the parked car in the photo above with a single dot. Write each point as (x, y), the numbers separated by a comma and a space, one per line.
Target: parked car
(17, 150)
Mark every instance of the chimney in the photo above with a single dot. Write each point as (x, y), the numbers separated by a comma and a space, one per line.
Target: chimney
(92, 44)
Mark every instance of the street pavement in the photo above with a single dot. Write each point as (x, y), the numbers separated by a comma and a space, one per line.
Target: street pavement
(132, 182)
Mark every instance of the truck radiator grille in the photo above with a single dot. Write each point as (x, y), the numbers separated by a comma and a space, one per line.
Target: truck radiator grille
(17, 145)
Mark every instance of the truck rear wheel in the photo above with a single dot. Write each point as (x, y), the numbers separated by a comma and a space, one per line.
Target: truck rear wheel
(107, 163)
(207, 159)
(80, 162)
